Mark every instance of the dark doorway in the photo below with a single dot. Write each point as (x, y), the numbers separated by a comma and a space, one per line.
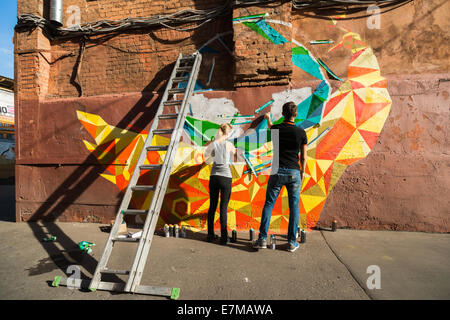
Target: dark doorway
(7, 200)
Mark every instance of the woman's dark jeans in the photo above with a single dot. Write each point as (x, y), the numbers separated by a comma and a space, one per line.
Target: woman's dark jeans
(223, 185)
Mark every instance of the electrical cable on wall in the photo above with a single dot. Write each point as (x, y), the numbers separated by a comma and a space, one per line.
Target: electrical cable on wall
(30, 21)
(188, 16)
(327, 7)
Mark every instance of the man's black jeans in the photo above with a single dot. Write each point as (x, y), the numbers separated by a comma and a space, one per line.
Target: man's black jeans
(223, 185)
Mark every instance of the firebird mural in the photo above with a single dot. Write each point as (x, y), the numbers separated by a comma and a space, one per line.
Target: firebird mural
(342, 128)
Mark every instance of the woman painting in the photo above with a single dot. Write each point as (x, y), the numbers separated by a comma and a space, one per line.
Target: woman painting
(220, 180)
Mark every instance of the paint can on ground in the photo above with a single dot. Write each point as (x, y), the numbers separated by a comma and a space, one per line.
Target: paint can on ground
(166, 231)
(252, 234)
(233, 236)
(334, 225)
(170, 230)
(302, 236)
(273, 242)
(298, 233)
(176, 231)
(52, 238)
(183, 232)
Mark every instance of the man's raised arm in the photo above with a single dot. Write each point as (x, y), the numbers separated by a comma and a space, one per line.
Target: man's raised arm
(269, 121)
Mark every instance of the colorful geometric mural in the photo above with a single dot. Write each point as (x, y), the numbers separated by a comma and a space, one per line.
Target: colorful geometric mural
(351, 122)
(342, 128)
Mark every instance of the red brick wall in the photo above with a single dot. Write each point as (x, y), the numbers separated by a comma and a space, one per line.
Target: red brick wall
(259, 61)
(130, 62)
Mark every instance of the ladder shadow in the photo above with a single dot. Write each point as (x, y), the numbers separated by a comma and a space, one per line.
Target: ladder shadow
(139, 116)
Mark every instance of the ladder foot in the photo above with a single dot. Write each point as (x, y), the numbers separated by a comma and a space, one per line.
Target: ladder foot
(175, 294)
(56, 281)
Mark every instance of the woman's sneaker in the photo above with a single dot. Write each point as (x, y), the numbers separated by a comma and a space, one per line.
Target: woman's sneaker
(260, 244)
(292, 247)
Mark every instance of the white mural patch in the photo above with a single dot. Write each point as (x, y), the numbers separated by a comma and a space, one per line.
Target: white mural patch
(294, 95)
(218, 110)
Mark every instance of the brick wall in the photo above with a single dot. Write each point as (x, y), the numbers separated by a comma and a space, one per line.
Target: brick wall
(130, 62)
(109, 62)
(258, 60)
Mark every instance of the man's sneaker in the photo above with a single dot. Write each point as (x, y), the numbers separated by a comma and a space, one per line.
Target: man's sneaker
(292, 247)
(260, 244)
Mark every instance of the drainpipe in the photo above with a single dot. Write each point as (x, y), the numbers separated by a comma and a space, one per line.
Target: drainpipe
(56, 12)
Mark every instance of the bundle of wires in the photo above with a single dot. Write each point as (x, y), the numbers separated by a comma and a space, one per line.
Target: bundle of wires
(197, 18)
(257, 2)
(335, 7)
(188, 16)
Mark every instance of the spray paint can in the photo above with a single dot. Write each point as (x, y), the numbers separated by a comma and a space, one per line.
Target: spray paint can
(170, 230)
(166, 231)
(233, 236)
(298, 233)
(302, 236)
(334, 226)
(52, 238)
(273, 242)
(86, 246)
(183, 232)
(252, 234)
(176, 231)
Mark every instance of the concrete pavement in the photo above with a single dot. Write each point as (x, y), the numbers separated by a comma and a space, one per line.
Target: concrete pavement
(412, 265)
(328, 266)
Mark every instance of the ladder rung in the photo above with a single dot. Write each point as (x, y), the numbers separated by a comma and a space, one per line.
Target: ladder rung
(177, 90)
(187, 58)
(134, 211)
(158, 148)
(143, 188)
(151, 167)
(173, 102)
(112, 271)
(126, 239)
(184, 69)
(180, 79)
(162, 131)
(168, 116)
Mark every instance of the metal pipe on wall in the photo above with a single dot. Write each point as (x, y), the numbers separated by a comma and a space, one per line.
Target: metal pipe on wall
(56, 12)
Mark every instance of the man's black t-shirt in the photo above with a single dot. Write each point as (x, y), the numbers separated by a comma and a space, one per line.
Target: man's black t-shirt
(291, 139)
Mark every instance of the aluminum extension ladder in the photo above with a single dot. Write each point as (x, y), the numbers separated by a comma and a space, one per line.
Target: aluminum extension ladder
(185, 65)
